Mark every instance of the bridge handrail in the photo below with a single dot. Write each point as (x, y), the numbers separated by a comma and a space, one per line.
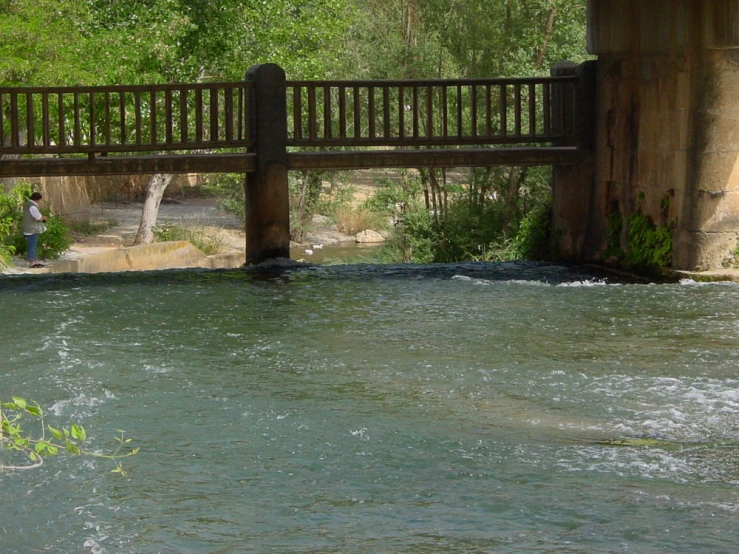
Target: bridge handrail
(358, 114)
(431, 112)
(124, 118)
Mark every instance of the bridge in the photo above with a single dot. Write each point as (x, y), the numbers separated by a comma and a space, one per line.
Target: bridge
(651, 127)
(266, 126)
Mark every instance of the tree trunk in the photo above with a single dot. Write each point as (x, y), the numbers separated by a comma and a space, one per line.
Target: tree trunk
(155, 190)
(548, 30)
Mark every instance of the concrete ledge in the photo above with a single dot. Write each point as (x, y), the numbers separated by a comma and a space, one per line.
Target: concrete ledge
(228, 260)
(160, 255)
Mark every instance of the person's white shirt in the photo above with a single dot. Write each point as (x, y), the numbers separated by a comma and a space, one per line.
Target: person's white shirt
(35, 212)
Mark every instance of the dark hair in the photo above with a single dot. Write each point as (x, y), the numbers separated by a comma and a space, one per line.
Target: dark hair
(36, 196)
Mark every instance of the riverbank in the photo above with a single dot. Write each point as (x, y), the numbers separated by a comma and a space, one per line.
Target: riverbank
(117, 224)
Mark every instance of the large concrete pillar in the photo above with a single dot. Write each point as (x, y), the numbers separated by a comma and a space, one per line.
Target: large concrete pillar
(668, 120)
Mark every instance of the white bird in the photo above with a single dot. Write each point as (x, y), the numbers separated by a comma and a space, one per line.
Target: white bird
(317, 246)
(308, 252)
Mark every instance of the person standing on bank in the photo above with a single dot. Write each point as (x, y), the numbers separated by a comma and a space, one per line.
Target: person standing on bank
(33, 226)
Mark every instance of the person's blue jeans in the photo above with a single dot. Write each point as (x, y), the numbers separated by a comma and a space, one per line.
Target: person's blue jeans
(32, 241)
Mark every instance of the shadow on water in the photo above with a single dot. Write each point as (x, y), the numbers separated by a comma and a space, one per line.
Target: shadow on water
(288, 270)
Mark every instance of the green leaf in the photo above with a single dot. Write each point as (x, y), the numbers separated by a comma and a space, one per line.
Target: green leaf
(78, 432)
(34, 410)
(72, 448)
(56, 433)
(19, 402)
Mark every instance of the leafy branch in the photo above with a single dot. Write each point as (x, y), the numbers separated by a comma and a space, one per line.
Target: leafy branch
(33, 448)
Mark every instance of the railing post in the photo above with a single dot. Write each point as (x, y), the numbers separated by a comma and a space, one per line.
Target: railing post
(563, 102)
(267, 209)
(586, 102)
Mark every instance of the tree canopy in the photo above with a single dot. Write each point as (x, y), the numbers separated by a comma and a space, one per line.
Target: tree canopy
(91, 42)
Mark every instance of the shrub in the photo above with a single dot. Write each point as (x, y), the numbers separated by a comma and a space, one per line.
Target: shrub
(534, 238)
(649, 245)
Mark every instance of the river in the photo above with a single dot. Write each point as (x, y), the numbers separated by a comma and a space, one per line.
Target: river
(497, 408)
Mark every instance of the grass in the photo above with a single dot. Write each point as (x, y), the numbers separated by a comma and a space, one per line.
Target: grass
(351, 221)
(201, 237)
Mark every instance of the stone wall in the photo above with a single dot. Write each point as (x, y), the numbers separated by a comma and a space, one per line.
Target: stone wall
(667, 128)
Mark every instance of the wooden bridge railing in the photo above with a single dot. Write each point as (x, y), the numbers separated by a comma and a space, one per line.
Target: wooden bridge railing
(413, 113)
(123, 119)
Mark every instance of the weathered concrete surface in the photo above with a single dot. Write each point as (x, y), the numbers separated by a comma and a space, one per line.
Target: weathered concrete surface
(667, 129)
(160, 255)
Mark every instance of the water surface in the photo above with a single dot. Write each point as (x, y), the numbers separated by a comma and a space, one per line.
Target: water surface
(469, 408)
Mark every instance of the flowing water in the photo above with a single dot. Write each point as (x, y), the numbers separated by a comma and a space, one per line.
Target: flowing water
(362, 409)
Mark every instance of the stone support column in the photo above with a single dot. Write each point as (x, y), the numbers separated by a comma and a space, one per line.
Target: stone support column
(267, 196)
(667, 129)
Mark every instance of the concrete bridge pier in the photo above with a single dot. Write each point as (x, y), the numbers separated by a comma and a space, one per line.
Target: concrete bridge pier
(666, 130)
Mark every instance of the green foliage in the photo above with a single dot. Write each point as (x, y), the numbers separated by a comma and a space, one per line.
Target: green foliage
(28, 448)
(55, 240)
(201, 238)
(649, 245)
(230, 188)
(414, 238)
(52, 243)
(535, 235)
(11, 215)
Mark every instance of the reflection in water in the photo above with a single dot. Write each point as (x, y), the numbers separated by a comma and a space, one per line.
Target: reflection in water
(467, 408)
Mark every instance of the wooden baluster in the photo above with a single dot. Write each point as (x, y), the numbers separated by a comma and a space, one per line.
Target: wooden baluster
(327, 123)
(312, 124)
(199, 116)
(460, 121)
(214, 115)
(168, 131)
(106, 116)
(473, 110)
(297, 113)
(547, 115)
(357, 114)
(401, 112)
(76, 138)
(46, 124)
(386, 112)
(137, 113)
(153, 116)
(30, 127)
(532, 109)
(183, 117)
(444, 112)
(342, 112)
(429, 112)
(240, 130)
(122, 105)
(414, 101)
(503, 111)
(370, 111)
(517, 110)
(60, 111)
(93, 127)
